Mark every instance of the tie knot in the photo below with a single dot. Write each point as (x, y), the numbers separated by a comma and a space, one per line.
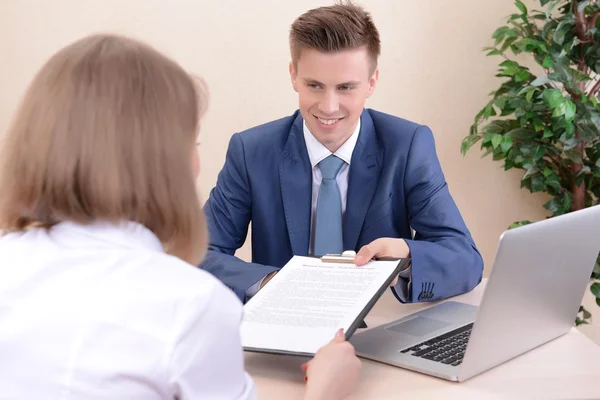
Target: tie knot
(330, 167)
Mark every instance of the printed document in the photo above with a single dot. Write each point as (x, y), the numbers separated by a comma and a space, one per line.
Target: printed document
(308, 300)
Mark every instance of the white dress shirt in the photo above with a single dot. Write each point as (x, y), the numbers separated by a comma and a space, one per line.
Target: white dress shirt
(316, 153)
(101, 312)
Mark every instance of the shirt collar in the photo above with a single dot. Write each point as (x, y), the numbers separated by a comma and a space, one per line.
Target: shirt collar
(126, 234)
(318, 152)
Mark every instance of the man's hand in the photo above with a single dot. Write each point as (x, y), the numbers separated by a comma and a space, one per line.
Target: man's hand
(383, 247)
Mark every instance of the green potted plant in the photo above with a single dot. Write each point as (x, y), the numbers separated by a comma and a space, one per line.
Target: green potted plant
(545, 116)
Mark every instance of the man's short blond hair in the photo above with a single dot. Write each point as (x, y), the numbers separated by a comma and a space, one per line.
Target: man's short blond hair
(342, 26)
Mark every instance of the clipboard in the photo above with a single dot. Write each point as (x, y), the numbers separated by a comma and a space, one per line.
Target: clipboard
(270, 341)
(348, 256)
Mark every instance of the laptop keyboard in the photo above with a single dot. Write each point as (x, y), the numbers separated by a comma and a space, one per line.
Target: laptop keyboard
(448, 348)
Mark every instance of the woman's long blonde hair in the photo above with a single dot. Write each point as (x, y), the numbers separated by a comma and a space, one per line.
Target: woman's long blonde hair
(106, 132)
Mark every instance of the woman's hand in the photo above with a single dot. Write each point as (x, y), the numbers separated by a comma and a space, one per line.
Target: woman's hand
(333, 372)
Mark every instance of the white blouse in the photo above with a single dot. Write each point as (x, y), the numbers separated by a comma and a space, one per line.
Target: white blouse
(101, 312)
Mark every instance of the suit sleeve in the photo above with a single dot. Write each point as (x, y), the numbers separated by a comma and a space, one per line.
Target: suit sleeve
(445, 259)
(228, 213)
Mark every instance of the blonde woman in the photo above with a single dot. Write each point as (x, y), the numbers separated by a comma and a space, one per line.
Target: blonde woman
(102, 227)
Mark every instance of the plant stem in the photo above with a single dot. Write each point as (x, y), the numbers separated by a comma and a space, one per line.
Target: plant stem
(594, 18)
(595, 89)
(559, 165)
(579, 190)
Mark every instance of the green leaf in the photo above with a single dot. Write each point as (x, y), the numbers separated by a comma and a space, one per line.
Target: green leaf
(561, 31)
(554, 205)
(584, 170)
(553, 97)
(489, 111)
(554, 184)
(537, 183)
(570, 110)
(539, 81)
(498, 154)
(570, 143)
(547, 63)
(507, 43)
(509, 64)
(582, 5)
(526, 182)
(550, 7)
(560, 109)
(530, 172)
(499, 34)
(500, 102)
(521, 6)
(595, 288)
(494, 53)
(518, 224)
(521, 75)
(538, 152)
(547, 133)
(560, 204)
(496, 140)
(506, 143)
(569, 130)
(468, 142)
(521, 133)
(575, 156)
(488, 152)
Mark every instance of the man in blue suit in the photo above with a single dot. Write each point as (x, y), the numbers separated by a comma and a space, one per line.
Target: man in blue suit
(335, 176)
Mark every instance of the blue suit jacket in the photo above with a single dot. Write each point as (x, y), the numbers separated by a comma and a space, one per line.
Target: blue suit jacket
(395, 182)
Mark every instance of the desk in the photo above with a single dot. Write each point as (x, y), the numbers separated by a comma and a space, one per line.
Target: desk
(568, 367)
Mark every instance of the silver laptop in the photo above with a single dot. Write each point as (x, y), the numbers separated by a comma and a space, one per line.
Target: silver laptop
(532, 296)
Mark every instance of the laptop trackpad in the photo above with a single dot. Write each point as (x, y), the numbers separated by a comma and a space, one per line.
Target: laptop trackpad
(418, 326)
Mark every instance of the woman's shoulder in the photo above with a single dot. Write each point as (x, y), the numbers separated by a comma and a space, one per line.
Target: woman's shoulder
(178, 279)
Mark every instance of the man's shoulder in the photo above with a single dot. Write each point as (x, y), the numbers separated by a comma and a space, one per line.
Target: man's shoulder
(392, 124)
(269, 131)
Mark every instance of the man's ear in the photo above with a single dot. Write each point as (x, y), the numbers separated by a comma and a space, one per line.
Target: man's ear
(373, 82)
(293, 76)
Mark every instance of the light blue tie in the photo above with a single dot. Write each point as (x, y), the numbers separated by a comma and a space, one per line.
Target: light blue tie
(328, 221)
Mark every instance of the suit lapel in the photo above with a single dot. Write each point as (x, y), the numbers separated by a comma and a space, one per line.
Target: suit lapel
(296, 188)
(365, 169)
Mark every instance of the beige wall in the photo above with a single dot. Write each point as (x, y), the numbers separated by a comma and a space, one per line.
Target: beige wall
(432, 71)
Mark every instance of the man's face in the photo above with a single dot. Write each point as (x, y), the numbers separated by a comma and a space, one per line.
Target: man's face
(332, 90)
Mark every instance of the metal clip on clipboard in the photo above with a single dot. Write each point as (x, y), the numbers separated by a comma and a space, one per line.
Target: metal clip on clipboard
(346, 257)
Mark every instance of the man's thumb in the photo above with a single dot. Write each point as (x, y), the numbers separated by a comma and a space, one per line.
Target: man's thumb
(364, 255)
